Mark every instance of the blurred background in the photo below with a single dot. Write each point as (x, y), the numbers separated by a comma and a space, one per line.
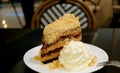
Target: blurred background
(107, 13)
(11, 13)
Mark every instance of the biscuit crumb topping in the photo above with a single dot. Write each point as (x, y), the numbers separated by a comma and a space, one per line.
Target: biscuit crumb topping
(54, 30)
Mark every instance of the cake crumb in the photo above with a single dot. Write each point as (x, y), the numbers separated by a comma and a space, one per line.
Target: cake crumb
(37, 58)
(93, 61)
(55, 65)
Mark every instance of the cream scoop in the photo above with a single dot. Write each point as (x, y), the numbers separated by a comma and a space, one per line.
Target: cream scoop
(75, 56)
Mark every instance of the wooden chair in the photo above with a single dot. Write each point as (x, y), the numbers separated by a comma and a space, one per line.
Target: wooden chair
(50, 10)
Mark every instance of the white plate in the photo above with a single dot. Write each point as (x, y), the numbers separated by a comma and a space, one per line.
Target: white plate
(36, 66)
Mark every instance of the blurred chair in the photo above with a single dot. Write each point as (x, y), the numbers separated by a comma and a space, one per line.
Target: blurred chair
(50, 10)
(93, 4)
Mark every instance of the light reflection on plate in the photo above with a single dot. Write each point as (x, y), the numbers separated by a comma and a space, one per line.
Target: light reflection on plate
(38, 67)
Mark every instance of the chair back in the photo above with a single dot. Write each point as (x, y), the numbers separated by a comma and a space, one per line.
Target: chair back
(50, 10)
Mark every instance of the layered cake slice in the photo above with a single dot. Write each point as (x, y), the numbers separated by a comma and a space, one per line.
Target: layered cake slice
(56, 34)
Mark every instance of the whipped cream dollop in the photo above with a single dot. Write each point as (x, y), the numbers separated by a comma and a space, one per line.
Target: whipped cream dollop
(75, 56)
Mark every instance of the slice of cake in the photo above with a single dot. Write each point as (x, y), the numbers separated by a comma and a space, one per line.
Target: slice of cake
(56, 34)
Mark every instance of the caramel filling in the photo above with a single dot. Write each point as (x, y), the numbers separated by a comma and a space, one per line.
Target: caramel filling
(50, 52)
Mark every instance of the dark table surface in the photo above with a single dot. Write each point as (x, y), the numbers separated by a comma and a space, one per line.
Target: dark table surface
(14, 43)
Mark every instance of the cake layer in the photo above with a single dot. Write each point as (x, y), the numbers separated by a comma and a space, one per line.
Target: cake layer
(70, 32)
(50, 58)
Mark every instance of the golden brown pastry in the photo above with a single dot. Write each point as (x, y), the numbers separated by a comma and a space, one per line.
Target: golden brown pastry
(56, 34)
